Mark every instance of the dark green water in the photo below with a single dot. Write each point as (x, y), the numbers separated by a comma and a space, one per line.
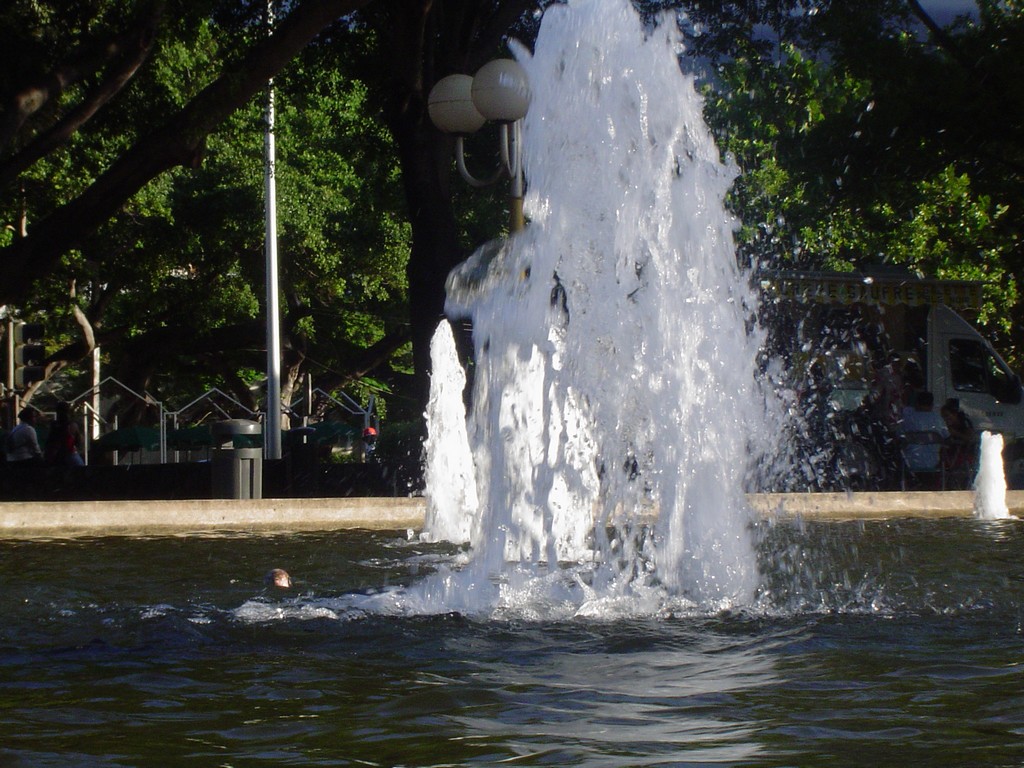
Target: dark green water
(877, 644)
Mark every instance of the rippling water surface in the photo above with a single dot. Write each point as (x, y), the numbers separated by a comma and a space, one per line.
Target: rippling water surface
(872, 644)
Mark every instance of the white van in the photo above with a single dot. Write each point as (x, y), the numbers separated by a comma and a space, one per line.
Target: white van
(847, 323)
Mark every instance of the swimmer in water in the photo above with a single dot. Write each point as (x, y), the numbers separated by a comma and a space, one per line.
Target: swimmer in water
(278, 577)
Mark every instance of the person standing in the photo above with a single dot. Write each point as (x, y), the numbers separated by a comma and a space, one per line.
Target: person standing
(960, 451)
(369, 443)
(22, 441)
(64, 444)
(921, 420)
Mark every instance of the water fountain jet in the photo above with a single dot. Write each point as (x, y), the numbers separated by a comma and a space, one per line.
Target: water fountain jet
(990, 483)
(615, 404)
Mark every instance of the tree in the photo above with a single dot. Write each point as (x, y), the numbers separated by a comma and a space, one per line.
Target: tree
(136, 215)
(156, 179)
(178, 142)
(418, 43)
(867, 134)
(180, 259)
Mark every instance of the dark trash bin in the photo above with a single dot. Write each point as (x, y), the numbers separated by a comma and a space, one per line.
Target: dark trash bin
(237, 459)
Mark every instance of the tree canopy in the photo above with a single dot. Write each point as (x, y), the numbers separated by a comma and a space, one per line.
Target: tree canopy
(131, 165)
(868, 135)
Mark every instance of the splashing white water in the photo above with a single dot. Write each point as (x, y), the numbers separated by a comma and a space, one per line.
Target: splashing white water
(452, 501)
(990, 483)
(615, 403)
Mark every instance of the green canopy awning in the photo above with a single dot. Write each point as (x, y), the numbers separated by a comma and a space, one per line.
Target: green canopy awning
(190, 438)
(128, 439)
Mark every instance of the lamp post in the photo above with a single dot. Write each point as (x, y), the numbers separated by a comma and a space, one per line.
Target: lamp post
(272, 425)
(461, 104)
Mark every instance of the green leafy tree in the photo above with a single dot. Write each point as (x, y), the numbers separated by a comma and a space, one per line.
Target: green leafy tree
(150, 206)
(170, 285)
(866, 134)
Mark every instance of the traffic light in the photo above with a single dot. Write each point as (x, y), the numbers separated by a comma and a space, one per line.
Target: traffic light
(29, 354)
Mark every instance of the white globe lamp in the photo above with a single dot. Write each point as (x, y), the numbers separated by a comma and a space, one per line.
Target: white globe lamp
(450, 105)
(501, 91)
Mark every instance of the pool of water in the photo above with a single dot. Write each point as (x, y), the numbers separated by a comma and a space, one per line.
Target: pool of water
(873, 644)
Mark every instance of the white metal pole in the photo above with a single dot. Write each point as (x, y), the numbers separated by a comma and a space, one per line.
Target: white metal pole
(9, 373)
(94, 430)
(272, 426)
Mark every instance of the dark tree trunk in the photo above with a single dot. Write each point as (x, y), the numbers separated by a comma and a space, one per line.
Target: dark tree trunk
(429, 39)
(435, 249)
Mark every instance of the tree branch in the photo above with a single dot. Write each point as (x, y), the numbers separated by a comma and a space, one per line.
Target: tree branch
(134, 48)
(943, 40)
(32, 97)
(179, 142)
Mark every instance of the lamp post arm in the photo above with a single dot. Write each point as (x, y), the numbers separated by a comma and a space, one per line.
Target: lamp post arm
(511, 152)
(510, 140)
(473, 181)
(512, 157)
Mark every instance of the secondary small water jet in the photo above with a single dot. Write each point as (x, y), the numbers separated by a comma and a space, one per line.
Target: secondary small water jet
(615, 403)
(452, 502)
(990, 483)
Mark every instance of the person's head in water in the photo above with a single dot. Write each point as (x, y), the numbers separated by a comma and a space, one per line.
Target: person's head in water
(278, 577)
